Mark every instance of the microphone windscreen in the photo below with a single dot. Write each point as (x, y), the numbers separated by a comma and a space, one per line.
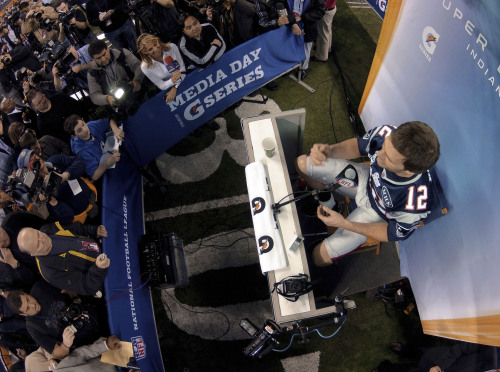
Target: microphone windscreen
(168, 59)
(280, 6)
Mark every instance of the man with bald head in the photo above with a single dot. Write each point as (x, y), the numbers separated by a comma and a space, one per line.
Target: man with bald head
(70, 263)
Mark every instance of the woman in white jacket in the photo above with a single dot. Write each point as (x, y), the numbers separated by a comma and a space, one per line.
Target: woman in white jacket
(161, 63)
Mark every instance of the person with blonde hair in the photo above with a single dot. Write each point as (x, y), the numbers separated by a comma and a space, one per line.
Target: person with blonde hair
(162, 63)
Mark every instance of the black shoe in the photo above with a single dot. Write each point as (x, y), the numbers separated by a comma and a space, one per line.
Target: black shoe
(212, 125)
(272, 86)
(303, 74)
(318, 60)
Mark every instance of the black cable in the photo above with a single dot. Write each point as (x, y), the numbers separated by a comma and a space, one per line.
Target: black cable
(350, 111)
(203, 246)
(331, 114)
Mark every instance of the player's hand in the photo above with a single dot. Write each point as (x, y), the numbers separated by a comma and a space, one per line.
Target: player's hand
(216, 42)
(7, 257)
(119, 134)
(176, 76)
(296, 30)
(68, 336)
(64, 176)
(21, 353)
(113, 342)
(170, 96)
(329, 217)
(102, 261)
(102, 232)
(110, 100)
(283, 20)
(76, 69)
(113, 159)
(103, 16)
(136, 85)
(319, 154)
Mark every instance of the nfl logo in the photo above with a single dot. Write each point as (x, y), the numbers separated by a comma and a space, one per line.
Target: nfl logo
(139, 347)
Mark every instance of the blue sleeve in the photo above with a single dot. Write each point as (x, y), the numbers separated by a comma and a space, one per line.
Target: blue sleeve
(400, 230)
(99, 127)
(90, 161)
(62, 212)
(72, 164)
(372, 141)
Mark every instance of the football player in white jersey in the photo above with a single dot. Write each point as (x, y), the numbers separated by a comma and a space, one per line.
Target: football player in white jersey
(394, 192)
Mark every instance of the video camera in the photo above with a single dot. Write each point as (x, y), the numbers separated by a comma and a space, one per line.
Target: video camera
(46, 23)
(264, 340)
(51, 53)
(6, 60)
(64, 65)
(34, 184)
(74, 317)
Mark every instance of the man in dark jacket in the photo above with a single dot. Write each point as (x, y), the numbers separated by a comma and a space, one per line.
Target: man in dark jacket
(74, 264)
(52, 112)
(112, 17)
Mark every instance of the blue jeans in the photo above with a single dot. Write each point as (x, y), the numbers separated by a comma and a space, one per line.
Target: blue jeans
(124, 37)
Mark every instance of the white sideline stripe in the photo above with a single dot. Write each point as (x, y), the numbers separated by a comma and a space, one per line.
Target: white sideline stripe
(199, 207)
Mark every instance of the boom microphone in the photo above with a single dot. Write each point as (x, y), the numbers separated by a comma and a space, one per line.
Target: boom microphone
(281, 10)
(172, 64)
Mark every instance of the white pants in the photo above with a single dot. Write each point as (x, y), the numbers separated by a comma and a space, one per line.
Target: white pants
(324, 40)
(342, 241)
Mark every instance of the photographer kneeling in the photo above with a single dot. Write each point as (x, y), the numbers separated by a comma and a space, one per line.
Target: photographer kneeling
(56, 321)
(58, 183)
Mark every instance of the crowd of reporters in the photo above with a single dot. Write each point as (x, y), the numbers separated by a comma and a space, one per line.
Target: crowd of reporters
(62, 89)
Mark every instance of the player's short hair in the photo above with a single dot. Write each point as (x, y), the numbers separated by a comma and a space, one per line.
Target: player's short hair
(418, 143)
(16, 130)
(14, 301)
(27, 140)
(56, 3)
(71, 122)
(96, 47)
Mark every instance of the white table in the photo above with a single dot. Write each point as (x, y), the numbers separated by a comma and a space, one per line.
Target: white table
(255, 130)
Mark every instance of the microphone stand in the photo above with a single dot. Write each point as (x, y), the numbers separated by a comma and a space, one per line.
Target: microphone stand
(330, 187)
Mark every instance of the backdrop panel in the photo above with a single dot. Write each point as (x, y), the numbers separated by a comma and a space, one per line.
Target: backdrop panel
(441, 65)
(157, 126)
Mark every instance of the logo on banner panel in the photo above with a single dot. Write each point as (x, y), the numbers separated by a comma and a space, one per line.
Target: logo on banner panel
(139, 347)
(266, 244)
(430, 38)
(382, 4)
(258, 205)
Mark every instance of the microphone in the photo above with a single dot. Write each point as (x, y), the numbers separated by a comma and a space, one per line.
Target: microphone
(172, 64)
(281, 10)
